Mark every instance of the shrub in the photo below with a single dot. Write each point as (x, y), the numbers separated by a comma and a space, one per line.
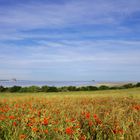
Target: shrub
(44, 88)
(129, 85)
(24, 89)
(83, 88)
(103, 87)
(52, 89)
(91, 88)
(72, 88)
(2, 89)
(63, 89)
(138, 84)
(15, 89)
(33, 89)
(114, 87)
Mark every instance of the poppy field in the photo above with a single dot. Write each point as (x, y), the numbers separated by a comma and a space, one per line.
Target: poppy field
(104, 115)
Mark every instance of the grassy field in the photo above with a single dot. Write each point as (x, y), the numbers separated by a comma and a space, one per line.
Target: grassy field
(101, 115)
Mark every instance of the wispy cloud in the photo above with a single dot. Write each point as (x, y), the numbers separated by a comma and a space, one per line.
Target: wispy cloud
(118, 52)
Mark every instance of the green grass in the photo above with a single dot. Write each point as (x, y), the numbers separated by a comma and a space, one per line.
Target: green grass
(135, 92)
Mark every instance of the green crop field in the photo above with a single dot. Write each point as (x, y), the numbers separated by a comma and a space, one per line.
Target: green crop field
(93, 115)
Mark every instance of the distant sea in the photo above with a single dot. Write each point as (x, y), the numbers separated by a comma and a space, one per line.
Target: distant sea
(25, 83)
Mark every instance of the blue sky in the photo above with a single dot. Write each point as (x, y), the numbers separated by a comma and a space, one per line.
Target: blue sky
(70, 40)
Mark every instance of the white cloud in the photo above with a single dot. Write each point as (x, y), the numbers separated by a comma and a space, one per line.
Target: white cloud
(48, 53)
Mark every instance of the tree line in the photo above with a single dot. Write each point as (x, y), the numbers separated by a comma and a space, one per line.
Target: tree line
(64, 88)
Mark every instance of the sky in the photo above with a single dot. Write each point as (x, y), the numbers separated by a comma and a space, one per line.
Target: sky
(68, 40)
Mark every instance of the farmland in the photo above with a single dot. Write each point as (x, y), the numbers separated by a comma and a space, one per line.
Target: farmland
(81, 115)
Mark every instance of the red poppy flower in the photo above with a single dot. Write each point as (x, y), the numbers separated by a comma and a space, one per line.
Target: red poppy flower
(69, 131)
(14, 124)
(87, 115)
(22, 136)
(12, 117)
(46, 131)
(46, 121)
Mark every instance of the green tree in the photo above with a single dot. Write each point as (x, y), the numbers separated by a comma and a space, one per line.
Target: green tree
(44, 88)
(103, 87)
(138, 84)
(72, 88)
(52, 89)
(91, 88)
(15, 89)
(129, 85)
(2, 89)
(34, 89)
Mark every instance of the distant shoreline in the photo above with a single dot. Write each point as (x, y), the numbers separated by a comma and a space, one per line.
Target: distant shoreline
(110, 84)
(26, 83)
